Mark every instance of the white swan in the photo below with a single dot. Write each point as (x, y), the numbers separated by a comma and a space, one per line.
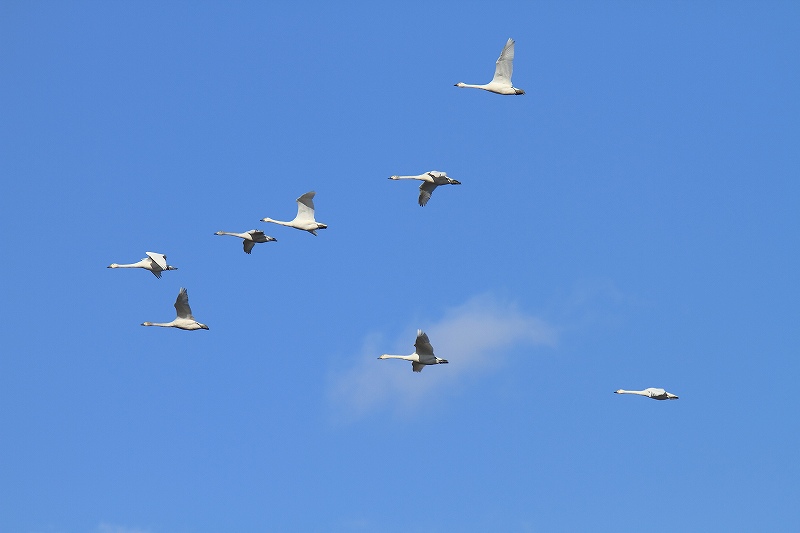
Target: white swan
(656, 394)
(430, 180)
(501, 83)
(423, 355)
(305, 216)
(155, 263)
(250, 238)
(184, 320)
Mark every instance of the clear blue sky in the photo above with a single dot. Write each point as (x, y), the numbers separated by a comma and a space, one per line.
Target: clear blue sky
(631, 222)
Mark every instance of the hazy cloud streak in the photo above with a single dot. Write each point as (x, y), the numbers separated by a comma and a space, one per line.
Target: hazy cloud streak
(472, 337)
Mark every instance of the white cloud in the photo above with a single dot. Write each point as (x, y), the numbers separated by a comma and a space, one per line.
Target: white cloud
(111, 528)
(472, 337)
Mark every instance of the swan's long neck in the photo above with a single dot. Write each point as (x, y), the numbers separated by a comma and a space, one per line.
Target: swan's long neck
(405, 357)
(421, 177)
(240, 235)
(282, 223)
(129, 265)
(639, 392)
(160, 324)
(469, 86)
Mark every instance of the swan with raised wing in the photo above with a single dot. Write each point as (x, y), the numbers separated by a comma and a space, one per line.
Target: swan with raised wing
(656, 394)
(501, 83)
(422, 356)
(154, 262)
(305, 216)
(250, 238)
(430, 180)
(184, 320)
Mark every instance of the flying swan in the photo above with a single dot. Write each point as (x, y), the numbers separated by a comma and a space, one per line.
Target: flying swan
(423, 355)
(656, 394)
(430, 180)
(305, 216)
(501, 83)
(250, 238)
(184, 320)
(155, 263)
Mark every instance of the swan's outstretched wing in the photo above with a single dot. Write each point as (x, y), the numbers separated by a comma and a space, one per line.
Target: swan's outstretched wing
(182, 305)
(423, 345)
(159, 259)
(436, 174)
(305, 206)
(257, 234)
(248, 246)
(417, 367)
(505, 65)
(425, 191)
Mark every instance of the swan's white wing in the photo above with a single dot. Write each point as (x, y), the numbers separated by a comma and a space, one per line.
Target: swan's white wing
(182, 305)
(423, 345)
(248, 246)
(417, 367)
(505, 65)
(425, 191)
(159, 259)
(305, 206)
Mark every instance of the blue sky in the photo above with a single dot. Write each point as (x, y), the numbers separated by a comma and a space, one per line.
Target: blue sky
(631, 222)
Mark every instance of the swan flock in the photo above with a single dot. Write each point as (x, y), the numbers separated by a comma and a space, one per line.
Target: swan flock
(305, 220)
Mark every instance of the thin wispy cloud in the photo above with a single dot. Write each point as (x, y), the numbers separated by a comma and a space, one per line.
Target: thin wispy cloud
(472, 336)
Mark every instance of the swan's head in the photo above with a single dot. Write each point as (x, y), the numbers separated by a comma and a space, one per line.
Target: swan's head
(394, 177)
(384, 356)
(266, 219)
(113, 265)
(619, 391)
(219, 233)
(460, 84)
(147, 323)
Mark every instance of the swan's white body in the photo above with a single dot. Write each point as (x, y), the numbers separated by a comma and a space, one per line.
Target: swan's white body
(305, 216)
(656, 394)
(155, 263)
(430, 180)
(423, 355)
(250, 238)
(184, 320)
(501, 83)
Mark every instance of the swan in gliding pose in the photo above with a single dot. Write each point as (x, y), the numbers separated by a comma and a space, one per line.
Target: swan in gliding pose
(501, 83)
(184, 320)
(155, 263)
(656, 394)
(423, 355)
(430, 180)
(250, 238)
(305, 216)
